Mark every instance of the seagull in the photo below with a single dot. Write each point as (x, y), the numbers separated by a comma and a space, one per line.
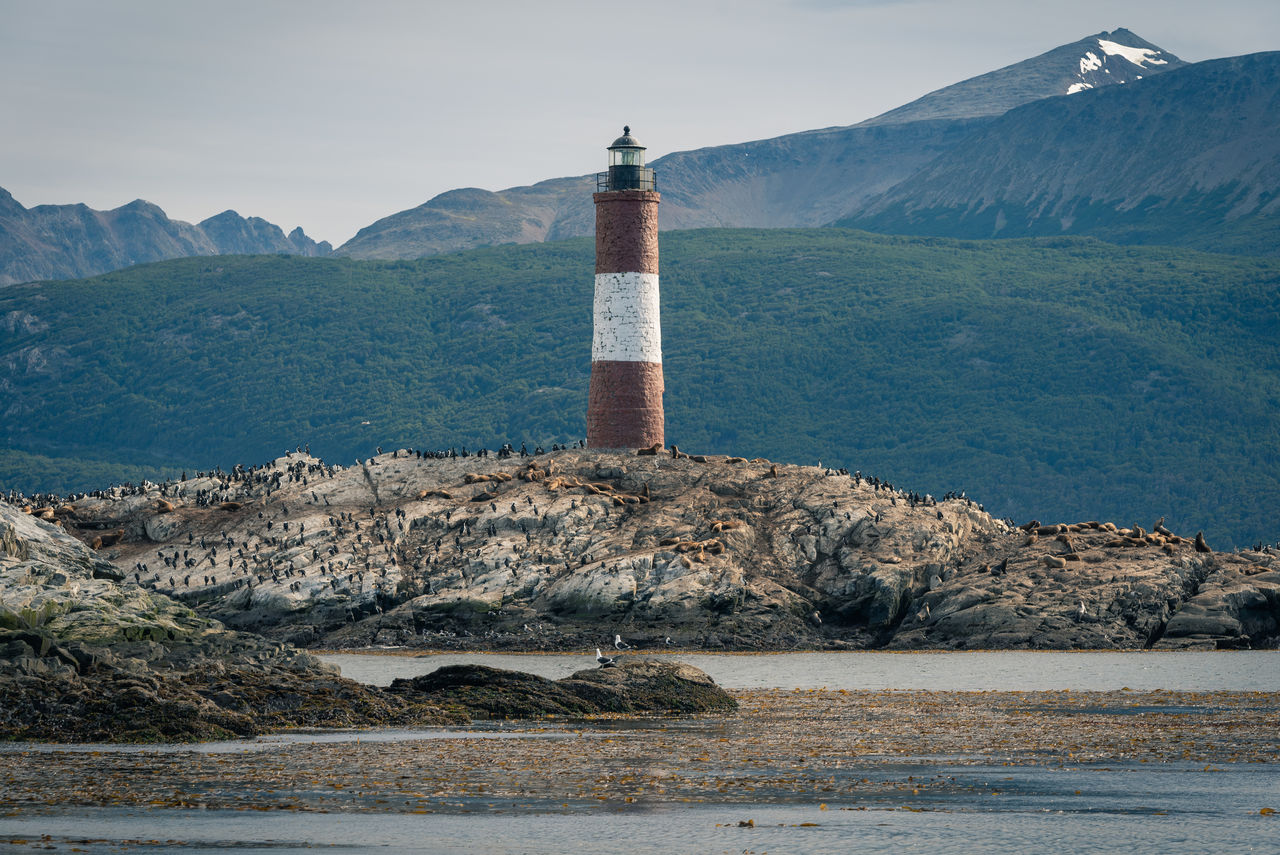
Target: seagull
(667, 641)
(1083, 611)
(605, 661)
(619, 643)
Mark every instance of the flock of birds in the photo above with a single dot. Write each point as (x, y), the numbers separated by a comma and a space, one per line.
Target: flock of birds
(612, 661)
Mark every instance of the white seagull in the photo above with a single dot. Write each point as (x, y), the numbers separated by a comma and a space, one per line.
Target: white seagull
(620, 644)
(605, 661)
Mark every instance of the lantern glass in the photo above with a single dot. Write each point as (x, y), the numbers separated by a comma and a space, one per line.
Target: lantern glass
(626, 157)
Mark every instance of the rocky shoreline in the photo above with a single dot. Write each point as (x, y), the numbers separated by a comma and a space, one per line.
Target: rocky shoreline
(85, 657)
(176, 612)
(565, 550)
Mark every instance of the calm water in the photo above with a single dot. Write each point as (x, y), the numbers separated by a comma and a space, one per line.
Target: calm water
(1014, 670)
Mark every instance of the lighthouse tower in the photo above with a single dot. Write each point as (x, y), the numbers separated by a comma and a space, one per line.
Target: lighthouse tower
(624, 407)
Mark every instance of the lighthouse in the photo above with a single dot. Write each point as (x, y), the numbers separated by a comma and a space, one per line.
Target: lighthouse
(624, 406)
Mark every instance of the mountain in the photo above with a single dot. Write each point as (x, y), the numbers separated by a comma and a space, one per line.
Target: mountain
(70, 241)
(1059, 378)
(803, 179)
(1094, 62)
(1192, 157)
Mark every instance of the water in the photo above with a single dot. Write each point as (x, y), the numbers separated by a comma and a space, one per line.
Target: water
(1012, 670)
(1173, 808)
(273, 741)
(1011, 811)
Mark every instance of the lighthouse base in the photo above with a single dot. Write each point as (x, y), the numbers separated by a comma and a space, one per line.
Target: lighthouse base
(624, 405)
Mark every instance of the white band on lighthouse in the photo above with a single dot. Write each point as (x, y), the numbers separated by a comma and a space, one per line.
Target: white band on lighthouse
(627, 326)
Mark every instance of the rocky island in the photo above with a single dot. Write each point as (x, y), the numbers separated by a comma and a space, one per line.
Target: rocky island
(87, 657)
(178, 611)
(566, 550)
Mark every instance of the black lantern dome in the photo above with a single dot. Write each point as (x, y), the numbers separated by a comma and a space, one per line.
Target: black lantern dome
(626, 140)
(626, 166)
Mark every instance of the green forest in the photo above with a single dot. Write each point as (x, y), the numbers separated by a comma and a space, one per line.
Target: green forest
(1055, 378)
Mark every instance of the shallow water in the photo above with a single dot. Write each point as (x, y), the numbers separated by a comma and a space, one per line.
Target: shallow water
(274, 741)
(1013, 670)
(922, 800)
(993, 809)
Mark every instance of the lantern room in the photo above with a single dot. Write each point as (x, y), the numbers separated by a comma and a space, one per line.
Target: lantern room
(626, 166)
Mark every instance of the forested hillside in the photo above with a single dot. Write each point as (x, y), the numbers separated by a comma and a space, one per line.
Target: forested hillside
(1055, 378)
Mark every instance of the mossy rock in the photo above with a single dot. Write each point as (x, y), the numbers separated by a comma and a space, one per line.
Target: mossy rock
(640, 687)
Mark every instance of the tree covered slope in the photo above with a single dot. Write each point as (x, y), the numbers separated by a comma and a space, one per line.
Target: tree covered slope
(1059, 378)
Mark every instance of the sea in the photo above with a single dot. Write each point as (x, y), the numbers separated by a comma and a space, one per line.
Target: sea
(1166, 808)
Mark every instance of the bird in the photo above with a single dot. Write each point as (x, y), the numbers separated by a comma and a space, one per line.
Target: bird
(620, 644)
(1083, 611)
(605, 661)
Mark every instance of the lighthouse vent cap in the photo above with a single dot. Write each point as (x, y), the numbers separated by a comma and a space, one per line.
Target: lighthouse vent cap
(626, 140)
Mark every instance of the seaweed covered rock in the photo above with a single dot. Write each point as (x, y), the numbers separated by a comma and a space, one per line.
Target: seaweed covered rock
(651, 686)
(640, 687)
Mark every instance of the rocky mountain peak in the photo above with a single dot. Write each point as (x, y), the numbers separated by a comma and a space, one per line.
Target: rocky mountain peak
(1102, 59)
(8, 204)
(141, 207)
(1118, 57)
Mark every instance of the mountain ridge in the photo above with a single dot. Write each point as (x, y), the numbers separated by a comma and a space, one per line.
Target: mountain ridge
(808, 178)
(1197, 143)
(1070, 68)
(47, 242)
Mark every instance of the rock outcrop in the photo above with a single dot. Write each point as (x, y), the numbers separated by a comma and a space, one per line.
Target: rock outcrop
(1091, 585)
(648, 687)
(86, 658)
(568, 549)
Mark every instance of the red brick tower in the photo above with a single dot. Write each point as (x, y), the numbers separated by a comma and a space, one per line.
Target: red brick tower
(624, 407)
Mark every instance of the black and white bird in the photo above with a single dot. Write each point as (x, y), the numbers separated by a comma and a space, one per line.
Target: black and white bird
(620, 644)
(605, 661)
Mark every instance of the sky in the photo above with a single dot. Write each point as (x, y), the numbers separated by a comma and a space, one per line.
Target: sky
(332, 115)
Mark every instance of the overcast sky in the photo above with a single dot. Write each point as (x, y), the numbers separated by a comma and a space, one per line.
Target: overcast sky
(332, 115)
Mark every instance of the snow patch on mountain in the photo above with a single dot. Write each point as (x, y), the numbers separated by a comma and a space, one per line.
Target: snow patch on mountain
(1078, 87)
(1089, 62)
(1138, 56)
